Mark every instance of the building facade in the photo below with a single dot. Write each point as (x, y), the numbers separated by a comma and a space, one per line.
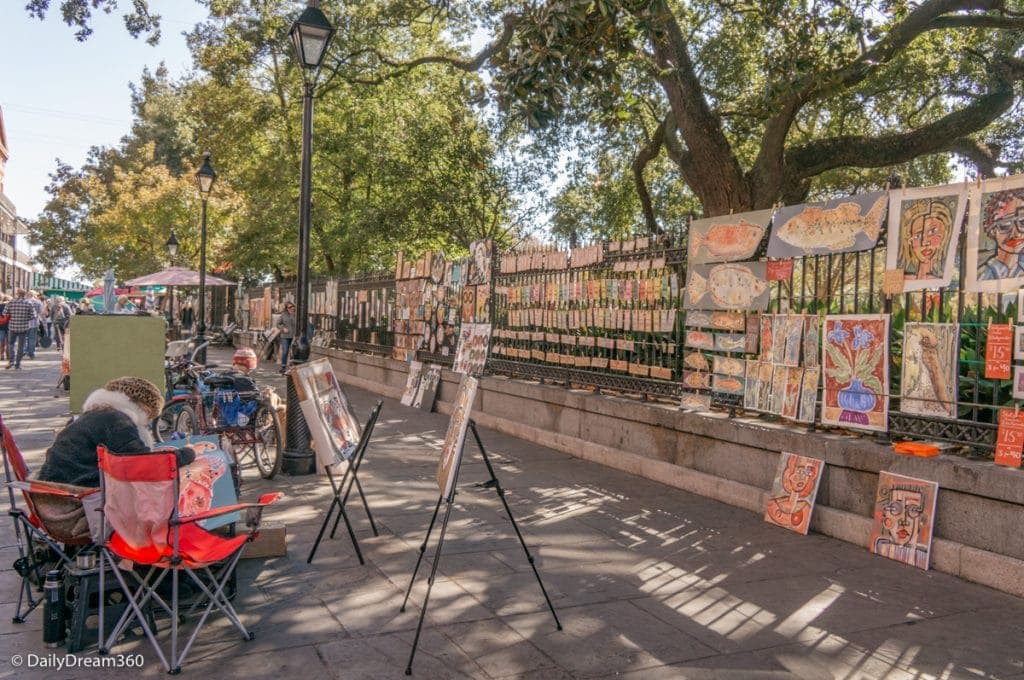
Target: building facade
(15, 266)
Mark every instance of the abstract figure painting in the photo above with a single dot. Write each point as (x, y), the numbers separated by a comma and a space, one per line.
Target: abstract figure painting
(792, 327)
(808, 395)
(451, 454)
(471, 354)
(842, 225)
(925, 224)
(855, 359)
(929, 380)
(480, 255)
(736, 286)
(791, 392)
(995, 236)
(904, 519)
(426, 394)
(412, 382)
(812, 334)
(794, 491)
(334, 427)
(727, 238)
(750, 385)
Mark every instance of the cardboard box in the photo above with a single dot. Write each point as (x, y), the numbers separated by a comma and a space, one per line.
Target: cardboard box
(270, 542)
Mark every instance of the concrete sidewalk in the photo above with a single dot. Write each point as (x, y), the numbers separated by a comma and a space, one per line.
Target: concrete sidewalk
(648, 581)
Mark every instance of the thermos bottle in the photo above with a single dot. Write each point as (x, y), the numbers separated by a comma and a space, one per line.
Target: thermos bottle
(53, 609)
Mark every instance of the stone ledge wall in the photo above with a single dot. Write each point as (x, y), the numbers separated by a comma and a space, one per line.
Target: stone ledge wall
(977, 535)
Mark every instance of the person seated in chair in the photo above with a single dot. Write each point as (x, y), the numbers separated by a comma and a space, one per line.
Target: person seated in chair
(118, 416)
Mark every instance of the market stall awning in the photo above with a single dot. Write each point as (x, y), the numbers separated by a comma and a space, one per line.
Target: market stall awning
(177, 276)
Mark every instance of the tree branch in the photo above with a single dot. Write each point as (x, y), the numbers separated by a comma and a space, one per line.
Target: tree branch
(646, 154)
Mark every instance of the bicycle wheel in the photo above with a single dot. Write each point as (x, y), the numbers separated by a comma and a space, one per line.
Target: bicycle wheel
(186, 421)
(163, 426)
(268, 445)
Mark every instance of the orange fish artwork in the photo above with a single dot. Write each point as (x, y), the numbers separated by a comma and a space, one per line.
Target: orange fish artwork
(729, 321)
(739, 286)
(852, 224)
(727, 384)
(697, 379)
(696, 361)
(727, 238)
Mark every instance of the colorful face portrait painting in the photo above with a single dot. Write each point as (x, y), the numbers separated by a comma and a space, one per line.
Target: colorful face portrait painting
(791, 392)
(808, 395)
(334, 427)
(855, 361)
(904, 519)
(480, 254)
(471, 354)
(765, 373)
(451, 454)
(925, 224)
(727, 238)
(929, 380)
(412, 383)
(812, 335)
(426, 394)
(995, 236)
(695, 402)
(842, 225)
(794, 491)
(736, 286)
(750, 385)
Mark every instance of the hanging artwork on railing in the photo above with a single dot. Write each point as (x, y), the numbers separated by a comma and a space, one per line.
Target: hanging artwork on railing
(842, 225)
(924, 233)
(995, 236)
(727, 238)
(855, 358)
(735, 286)
(928, 387)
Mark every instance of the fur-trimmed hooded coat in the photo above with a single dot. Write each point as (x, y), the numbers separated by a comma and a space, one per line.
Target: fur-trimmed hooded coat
(109, 418)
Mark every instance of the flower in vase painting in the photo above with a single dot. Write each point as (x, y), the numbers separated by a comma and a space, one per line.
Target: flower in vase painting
(854, 358)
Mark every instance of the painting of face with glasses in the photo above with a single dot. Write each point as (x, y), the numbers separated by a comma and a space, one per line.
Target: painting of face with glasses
(904, 519)
(996, 237)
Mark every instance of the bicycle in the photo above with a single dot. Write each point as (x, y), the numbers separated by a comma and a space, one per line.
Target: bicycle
(205, 402)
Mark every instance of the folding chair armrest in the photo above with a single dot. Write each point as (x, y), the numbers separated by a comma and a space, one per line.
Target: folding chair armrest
(214, 512)
(39, 487)
(268, 498)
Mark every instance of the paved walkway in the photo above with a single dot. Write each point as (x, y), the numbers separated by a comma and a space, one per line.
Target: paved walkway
(649, 581)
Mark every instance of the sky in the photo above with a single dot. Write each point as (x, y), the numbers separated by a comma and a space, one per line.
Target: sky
(60, 97)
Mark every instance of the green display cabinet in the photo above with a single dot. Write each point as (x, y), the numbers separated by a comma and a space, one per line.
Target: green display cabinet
(110, 346)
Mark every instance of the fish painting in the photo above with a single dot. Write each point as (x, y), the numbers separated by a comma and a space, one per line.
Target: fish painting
(697, 379)
(727, 384)
(851, 225)
(695, 402)
(728, 321)
(729, 366)
(734, 286)
(727, 238)
(730, 342)
(696, 361)
(699, 340)
(699, 319)
(696, 289)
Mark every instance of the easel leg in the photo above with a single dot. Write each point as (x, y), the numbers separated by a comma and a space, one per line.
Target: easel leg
(340, 505)
(501, 494)
(366, 506)
(423, 549)
(430, 582)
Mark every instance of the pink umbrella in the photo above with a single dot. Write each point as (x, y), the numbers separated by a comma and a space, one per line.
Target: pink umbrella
(177, 276)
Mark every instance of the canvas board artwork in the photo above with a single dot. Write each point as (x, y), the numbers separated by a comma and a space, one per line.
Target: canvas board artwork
(812, 336)
(455, 437)
(695, 402)
(727, 238)
(206, 482)
(765, 380)
(855, 363)
(791, 500)
(904, 519)
(471, 354)
(928, 386)
(842, 225)
(808, 395)
(750, 384)
(426, 393)
(791, 392)
(924, 234)
(412, 383)
(995, 236)
(334, 427)
(735, 286)
(481, 253)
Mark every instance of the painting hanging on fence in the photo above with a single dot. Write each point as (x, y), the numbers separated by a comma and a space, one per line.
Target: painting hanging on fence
(451, 453)
(412, 383)
(471, 354)
(426, 393)
(480, 255)
(925, 225)
(792, 327)
(727, 238)
(791, 500)
(808, 395)
(995, 236)
(327, 411)
(765, 375)
(855, 359)
(736, 286)
(791, 392)
(904, 519)
(842, 225)
(695, 402)
(750, 384)
(928, 386)
(812, 335)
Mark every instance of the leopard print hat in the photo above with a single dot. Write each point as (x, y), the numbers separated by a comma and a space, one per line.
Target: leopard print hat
(141, 391)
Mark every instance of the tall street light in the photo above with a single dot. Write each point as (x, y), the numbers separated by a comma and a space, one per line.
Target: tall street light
(205, 177)
(172, 250)
(311, 34)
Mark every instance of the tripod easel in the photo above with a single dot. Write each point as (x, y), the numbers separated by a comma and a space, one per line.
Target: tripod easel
(492, 483)
(345, 487)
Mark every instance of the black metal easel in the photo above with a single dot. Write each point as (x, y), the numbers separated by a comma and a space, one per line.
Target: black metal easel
(450, 501)
(349, 478)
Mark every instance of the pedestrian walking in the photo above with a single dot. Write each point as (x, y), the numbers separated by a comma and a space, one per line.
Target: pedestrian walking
(286, 324)
(21, 312)
(4, 319)
(36, 324)
(187, 317)
(60, 315)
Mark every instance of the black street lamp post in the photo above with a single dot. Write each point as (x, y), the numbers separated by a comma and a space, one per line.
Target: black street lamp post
(311, 34)
(205, 178)
(172, 250)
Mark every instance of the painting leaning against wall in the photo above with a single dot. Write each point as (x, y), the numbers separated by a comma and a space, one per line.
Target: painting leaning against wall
(904, 519)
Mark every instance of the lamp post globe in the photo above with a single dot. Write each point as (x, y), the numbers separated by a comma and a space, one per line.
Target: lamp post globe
(311, 36)
(205, 177)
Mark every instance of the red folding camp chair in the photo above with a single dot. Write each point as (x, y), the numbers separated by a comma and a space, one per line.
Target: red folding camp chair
(140, 509)
(51, 524)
